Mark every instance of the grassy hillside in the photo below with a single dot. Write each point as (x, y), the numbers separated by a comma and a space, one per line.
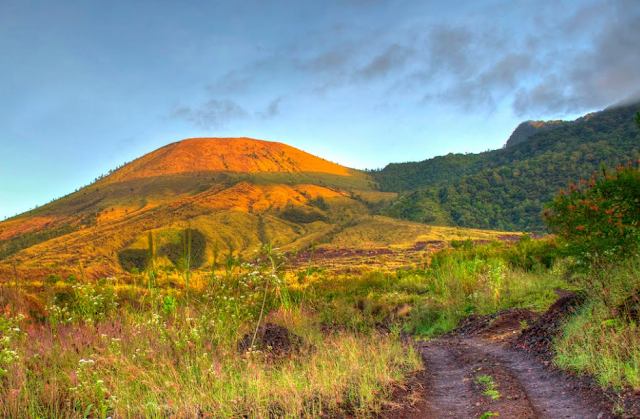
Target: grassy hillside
(234, 194)
(506, 189)
(235, 191)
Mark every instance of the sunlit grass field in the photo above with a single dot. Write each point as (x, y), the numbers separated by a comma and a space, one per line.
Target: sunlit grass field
(177, 342)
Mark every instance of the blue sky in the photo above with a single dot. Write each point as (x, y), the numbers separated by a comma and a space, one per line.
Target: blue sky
(88, 85)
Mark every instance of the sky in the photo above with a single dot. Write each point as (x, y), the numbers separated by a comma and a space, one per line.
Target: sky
(88, 85)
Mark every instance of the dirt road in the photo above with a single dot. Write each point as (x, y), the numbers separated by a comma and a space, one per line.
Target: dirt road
(469, 378)
(478, 372)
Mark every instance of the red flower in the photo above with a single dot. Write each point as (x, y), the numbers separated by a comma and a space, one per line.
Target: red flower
(580, 228)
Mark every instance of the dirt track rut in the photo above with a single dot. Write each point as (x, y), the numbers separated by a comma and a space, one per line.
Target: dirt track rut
(526, 389)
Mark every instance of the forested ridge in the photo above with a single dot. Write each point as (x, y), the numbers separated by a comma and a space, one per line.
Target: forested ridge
(507, 189)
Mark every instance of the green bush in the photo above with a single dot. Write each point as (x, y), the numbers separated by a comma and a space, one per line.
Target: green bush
(319, 202)
(131, 259)
(301, 216)
(598, 220)
(528, 254)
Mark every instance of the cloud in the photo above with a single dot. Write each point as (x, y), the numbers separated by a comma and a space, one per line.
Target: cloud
(329, 61)
(272, 110)
(392, 59)
(486, 88)
(451, 49)
(539, 62)
(595, 76)
(585, 61)
(211, 114)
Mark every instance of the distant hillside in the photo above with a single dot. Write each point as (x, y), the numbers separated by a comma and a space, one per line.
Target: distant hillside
(234, 194)
(507, 189)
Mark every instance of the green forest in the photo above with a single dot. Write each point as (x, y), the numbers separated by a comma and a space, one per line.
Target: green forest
(507, 189)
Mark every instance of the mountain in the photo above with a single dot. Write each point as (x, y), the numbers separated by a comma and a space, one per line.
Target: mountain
(528, 128)
(229, 194)
(507, 189)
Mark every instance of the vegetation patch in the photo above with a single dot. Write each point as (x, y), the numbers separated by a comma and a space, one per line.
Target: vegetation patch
(192, 246)
(301, 215)
(490, 387)
(131, 259)
(15, 244)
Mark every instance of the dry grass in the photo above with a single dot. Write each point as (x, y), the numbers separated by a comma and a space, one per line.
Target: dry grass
(120, 349)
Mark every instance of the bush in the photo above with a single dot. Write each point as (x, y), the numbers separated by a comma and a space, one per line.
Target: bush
(528, 254)
(599, 219)
(131, 259)
(301, 216)
(319, 203)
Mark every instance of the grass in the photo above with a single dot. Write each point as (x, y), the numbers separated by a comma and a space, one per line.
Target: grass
(130, 349)
(477, 281)
(603, 338)
(490, 386)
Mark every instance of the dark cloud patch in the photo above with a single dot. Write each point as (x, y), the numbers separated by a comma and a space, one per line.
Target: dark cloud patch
(469, 96)
(272, 110)
(599, 74)
(486, 88)
(211, 114)
(469, 68)
(392, 59)
(329, 61)
(585, 61)
(451, 50)
(509, 70)
(548, 96)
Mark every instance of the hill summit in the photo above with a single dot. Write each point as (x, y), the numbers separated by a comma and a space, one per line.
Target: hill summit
(240, 155)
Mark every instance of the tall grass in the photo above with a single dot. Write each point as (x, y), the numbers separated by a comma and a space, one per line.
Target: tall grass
(117, 350)
(122, 348)
(603, 338)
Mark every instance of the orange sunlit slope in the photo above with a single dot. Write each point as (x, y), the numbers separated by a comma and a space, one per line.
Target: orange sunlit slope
(242, 155)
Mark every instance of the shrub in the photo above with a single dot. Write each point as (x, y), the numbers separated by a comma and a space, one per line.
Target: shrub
(131, 259)
(319, 202)
(301, 216)
(529, 254)
(599, 219)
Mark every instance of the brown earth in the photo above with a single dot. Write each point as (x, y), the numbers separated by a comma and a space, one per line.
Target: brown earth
(527, 385)
(271, 340)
